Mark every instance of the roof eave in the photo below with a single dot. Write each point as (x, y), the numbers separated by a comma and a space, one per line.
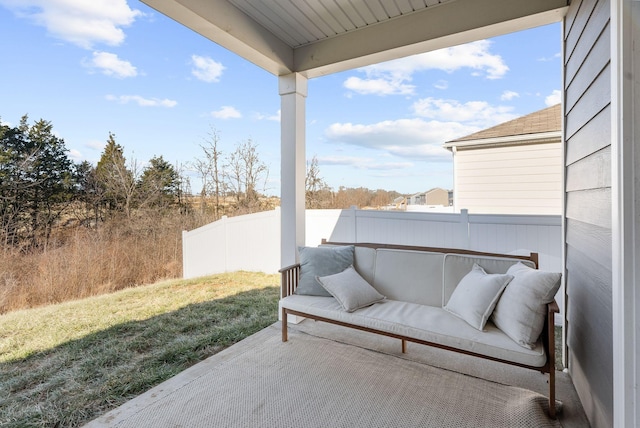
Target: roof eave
(450, 23)
(229, 27)
(510, 140)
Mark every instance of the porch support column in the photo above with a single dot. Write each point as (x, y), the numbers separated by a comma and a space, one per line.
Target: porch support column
(625, 192)
(293, 93)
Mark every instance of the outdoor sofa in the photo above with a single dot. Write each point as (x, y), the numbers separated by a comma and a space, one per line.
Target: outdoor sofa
(494, 306)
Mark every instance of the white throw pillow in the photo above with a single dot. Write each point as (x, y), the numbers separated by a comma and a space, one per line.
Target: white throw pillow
(476, 295)
(522, 308)
(350, 289)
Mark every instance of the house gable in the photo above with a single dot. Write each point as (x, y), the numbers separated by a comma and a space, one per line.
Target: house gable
(512, 168)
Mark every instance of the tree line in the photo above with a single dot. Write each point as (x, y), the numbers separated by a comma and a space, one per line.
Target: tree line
(73, 229)
(42, 188)
(319, 195)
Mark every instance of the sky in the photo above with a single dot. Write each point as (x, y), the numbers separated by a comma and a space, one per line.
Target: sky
(117, 66)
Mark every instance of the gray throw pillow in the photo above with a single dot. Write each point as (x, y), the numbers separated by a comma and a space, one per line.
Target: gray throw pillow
(321, 261)
(522, 308)
(350, 289)
(476, 295)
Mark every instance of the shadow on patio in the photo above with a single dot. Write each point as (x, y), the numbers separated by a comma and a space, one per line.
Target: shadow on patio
(331, 376)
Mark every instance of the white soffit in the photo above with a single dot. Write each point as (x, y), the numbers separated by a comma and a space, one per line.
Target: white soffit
(318, 37)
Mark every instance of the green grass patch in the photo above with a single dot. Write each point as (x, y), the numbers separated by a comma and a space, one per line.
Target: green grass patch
(558, 347)
(66, 364)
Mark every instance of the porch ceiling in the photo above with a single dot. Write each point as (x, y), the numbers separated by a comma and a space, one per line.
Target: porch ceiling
(318, 37)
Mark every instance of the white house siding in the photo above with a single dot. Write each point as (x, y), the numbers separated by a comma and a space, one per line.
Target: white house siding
(522, 179)
(588, 221)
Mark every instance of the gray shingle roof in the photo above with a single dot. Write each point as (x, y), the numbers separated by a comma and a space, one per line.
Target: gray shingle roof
(545, 120)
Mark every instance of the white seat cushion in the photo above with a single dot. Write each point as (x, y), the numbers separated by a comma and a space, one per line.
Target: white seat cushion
(428, 323)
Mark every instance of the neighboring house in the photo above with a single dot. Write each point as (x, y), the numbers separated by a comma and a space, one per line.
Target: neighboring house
(511, 168)
(435, 196)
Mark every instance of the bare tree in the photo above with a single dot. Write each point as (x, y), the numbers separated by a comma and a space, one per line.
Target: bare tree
(254, 170)
(317, 192)
(234, 174)
(211, 172)
(243, 172)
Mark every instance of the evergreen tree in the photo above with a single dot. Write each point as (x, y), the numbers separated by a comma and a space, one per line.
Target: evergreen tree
(89, 192)
(117, 181)
(36, 181)
(159, 184)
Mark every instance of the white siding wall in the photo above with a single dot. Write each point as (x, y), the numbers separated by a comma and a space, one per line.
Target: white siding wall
(588, 216)
(523, 179)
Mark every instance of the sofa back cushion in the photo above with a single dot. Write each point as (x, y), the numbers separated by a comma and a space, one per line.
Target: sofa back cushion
(456, 266)
(409, 276)
(364, 261)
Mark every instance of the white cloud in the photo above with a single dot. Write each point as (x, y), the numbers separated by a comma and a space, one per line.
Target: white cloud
(110, 65)
(551, 58)
(95, 145)
(422, 138)
(391, 77)
(226, 112)
(274, 117)
(441, 84)
(554, 98)
(474, 113)
(141, 101)
(81, 22)
(363, 163)
(509, 95)
(75, 155)
(206, 69)
(380, 86)
(410, 138)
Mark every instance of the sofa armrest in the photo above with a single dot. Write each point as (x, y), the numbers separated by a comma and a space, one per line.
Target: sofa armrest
(552, 310)
(549, 333)
(289, 280)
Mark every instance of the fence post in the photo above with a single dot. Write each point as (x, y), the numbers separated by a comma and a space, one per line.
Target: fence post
(464, 229)
(354, 223)
(225, 234)
(185, 254)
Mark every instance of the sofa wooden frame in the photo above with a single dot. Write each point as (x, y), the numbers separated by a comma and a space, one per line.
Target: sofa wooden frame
(289, 283)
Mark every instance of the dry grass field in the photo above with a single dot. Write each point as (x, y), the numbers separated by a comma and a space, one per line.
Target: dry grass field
(79, 262)
(65, 364)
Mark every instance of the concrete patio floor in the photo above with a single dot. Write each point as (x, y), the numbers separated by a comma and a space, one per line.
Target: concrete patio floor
(162, 397)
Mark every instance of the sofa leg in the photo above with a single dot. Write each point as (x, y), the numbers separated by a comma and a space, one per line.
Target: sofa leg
(552, 393)
(404, 346)
(284, 325)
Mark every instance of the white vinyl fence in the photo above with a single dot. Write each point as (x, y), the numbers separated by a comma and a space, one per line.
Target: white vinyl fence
(249, 242)
(252, 242)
